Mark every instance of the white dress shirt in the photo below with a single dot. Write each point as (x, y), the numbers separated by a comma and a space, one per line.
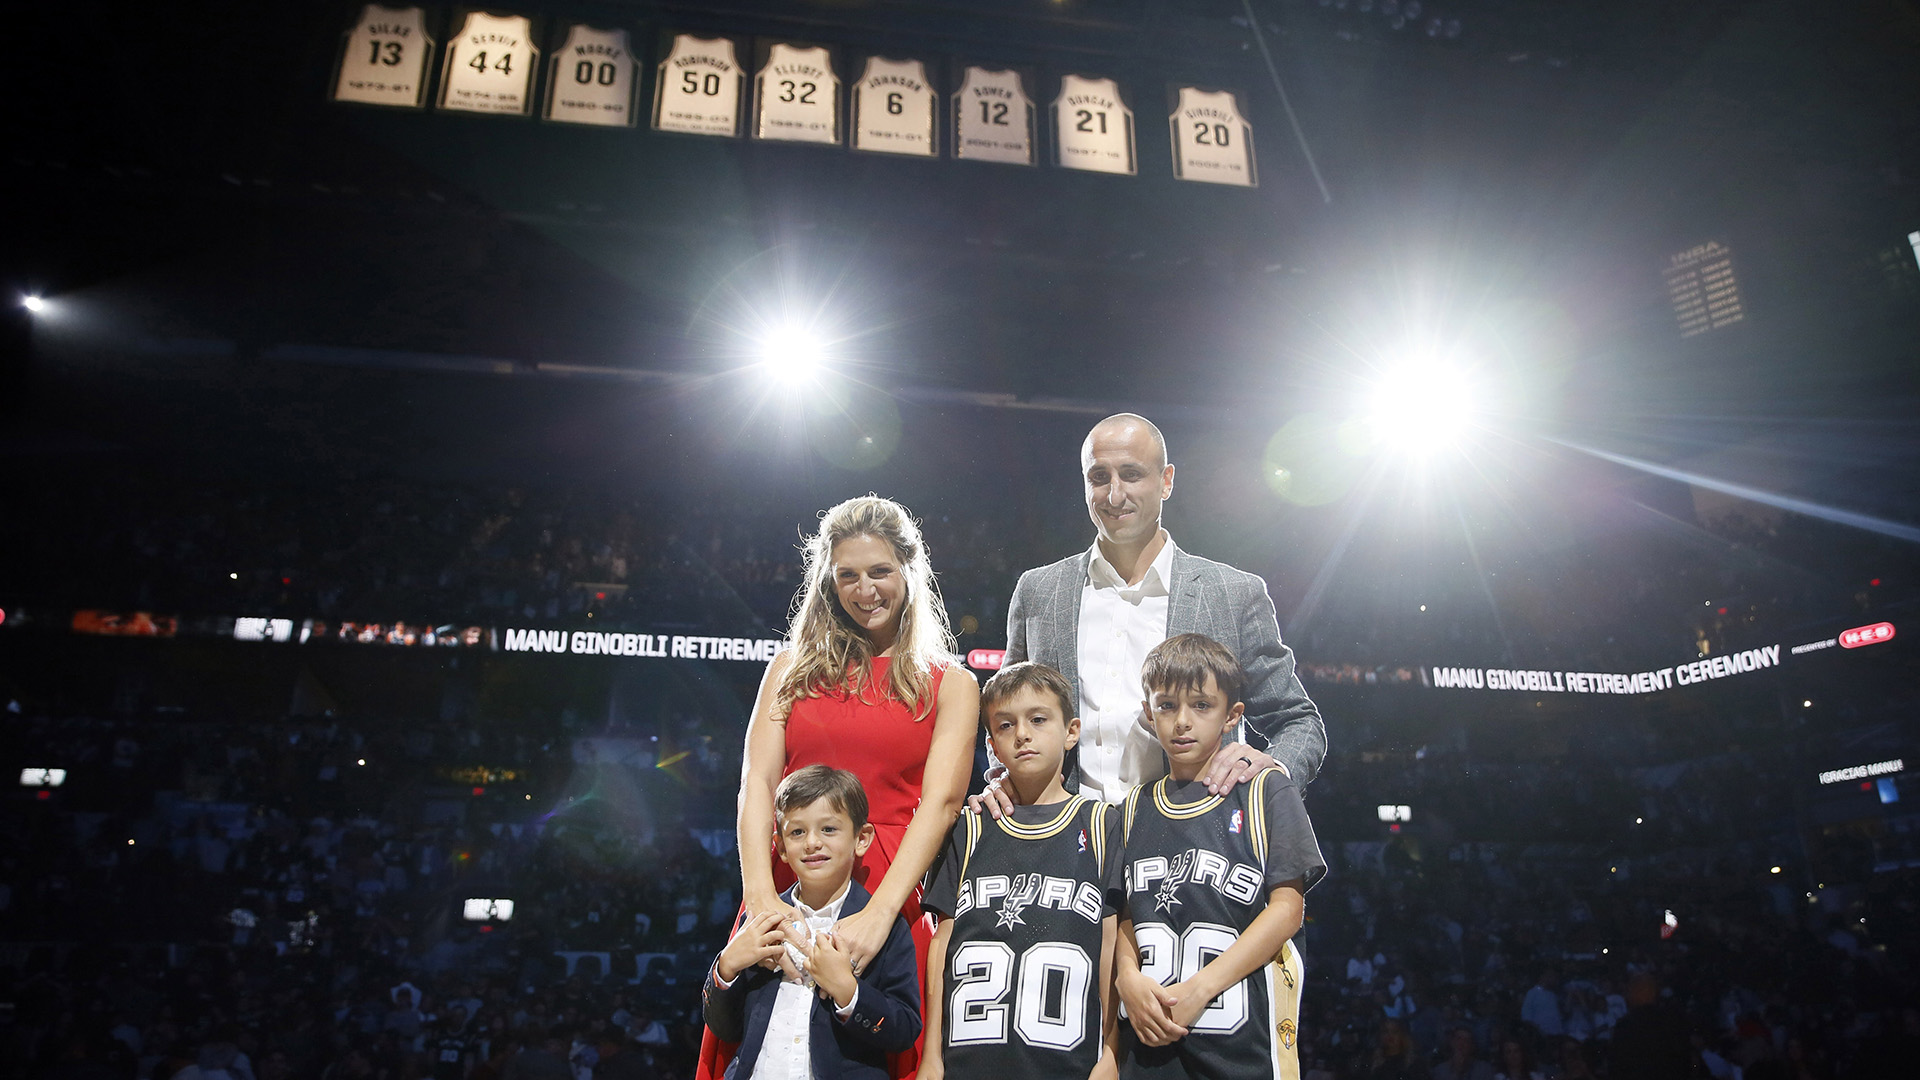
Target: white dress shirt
(787, 1053)
(1119, 625)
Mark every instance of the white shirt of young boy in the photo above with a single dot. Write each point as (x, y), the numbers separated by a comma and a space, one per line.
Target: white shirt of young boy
(1119, 625)
(787, 1053)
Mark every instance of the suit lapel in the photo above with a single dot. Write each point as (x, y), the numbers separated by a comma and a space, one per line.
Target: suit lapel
(1183, 596)
(1067, 592)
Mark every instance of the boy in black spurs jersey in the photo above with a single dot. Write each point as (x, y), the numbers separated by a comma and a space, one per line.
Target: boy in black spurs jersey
(1019, 973)
(1215, 888)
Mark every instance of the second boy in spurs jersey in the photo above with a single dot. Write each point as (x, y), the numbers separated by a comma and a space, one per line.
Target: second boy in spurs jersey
(1019, 971)
(1216, 889)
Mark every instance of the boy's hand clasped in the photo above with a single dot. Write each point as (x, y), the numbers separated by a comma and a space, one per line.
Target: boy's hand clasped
(761, 939)
(831, 966)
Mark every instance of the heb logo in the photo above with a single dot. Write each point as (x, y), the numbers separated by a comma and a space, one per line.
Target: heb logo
(991, 659)
(1866, 635)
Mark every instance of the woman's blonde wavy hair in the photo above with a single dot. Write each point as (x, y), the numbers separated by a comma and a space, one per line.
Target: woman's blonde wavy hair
(829, 651)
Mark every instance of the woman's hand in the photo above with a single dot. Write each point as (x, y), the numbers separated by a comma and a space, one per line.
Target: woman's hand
(864, 933)
(1150, 1007)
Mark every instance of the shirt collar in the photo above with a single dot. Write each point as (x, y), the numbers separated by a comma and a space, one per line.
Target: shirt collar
(1156, 581)
(829, 911)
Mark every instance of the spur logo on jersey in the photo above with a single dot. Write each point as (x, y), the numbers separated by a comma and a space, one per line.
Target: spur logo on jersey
(1020, 892)
(1164, 876)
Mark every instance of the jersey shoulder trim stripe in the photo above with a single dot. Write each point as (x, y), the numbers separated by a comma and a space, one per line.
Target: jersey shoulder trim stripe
(1257, 813)
(1097, 825)
(1181, 811)
(972, 818)
(1045, 829)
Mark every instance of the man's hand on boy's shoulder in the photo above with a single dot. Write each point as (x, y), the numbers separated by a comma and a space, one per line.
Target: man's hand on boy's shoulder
(1235, 764)
(993, 800)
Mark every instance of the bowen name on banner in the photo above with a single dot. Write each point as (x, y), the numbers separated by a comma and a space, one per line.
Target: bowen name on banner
(993, 118)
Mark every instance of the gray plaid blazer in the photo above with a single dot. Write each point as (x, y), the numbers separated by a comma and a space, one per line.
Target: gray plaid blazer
(1228, 605)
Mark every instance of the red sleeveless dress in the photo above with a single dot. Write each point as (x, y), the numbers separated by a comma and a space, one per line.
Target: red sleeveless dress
(879, 741)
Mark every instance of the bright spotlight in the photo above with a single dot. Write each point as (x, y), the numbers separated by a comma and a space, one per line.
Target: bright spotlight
(1423, 406)
(34, 304)
(793, 353)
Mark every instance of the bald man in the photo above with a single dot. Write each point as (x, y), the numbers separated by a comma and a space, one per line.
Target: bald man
(1095, 615)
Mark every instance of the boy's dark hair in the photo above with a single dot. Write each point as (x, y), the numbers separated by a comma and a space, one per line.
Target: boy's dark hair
(1027, 675)
(815, 782)
(1184, 661)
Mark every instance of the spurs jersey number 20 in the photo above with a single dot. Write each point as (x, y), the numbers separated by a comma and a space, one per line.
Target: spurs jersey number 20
(1027, 899)
(1199, 869)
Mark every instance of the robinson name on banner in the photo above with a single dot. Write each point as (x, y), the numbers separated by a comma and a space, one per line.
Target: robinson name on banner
(699, 88)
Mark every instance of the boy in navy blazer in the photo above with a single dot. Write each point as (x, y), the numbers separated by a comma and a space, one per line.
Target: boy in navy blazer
(814, 1019)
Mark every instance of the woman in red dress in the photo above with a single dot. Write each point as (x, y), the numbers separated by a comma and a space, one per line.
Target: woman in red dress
(869, 684)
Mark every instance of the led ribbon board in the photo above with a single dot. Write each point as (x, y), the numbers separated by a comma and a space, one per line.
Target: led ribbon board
(591, 78)
(384, 59)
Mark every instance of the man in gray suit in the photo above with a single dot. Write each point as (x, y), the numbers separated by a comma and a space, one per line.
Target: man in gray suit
(1094, 616)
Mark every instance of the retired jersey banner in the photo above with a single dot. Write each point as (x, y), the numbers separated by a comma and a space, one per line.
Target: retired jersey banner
(384, 59)
(993, 118)
(700, 87)
(592, 78)
(1212, 142)
(490, 66)
(797, 95)
(895, 110)
(1092, 126)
